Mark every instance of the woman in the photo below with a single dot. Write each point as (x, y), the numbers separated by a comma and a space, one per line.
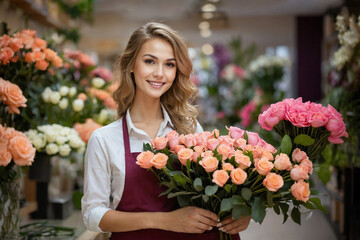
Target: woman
(153, 98)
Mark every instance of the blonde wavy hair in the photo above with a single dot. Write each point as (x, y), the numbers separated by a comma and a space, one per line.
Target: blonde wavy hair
(178, 99)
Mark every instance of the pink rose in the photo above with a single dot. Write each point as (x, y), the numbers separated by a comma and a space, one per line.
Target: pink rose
(200, 139)
(226, 140)
(236, 133)
(299, 173)
(318, 116)
(212, 143)
(240, 143)
(184, 155)
(159, 143)
(178, 148)
(198, 150)
(266, 154)
(253, 138)
(298, 155)
(207, 154)
(159, 160)
(144, 159)
(210, 164)
(273, 182)
(298, 115)
(190, 140)
(215, 133)
(242, 160)
(263, 166)
(301, 191)
(220, 177)
(22, 150)
(238, 176)
(272, 116)
(308, 165)
(224, 150)
(227, 166)
(282, 162)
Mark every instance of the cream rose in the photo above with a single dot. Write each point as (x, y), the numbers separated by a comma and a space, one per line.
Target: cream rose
(64, 150)
(78, 105)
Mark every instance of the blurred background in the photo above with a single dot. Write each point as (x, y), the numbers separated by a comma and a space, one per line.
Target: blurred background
(246, 55)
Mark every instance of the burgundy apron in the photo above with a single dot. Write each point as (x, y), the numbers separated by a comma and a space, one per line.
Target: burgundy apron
(141, 193)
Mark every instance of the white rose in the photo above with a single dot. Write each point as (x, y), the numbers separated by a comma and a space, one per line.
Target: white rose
(55, 97)
(98, 82)
(52, 148)
(50, 135)
(61, 140)
(64, 90)
(78, 105)
(81, 149)
(46, 94)
(39, 141)
(103, 116)
(64, 103)
(64, 150)
(31, 134)
(72, 91)
(75, 141)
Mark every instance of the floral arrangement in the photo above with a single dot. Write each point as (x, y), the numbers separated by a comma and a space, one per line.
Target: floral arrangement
(309, 125)
(236, 175)
(56, 139)
(86, 129)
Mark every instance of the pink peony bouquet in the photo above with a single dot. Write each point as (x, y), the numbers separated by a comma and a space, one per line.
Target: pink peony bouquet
(309, 125)
(236, 175)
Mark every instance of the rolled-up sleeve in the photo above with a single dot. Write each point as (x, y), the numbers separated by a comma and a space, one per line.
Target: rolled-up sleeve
(97, 173)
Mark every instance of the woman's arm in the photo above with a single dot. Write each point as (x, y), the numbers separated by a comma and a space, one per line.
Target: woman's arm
(187, 220)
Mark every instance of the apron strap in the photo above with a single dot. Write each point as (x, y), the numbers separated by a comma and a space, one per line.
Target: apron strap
(126, 135)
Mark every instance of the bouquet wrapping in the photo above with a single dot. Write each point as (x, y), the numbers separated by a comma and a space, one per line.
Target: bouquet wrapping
(236, 175)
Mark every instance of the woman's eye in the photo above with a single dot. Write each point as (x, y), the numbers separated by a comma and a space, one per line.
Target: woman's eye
(171, 65)
(149, 61)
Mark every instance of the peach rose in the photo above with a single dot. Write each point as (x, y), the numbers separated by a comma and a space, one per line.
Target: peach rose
(198, 150)
(207, 154)
(215, 133)
(173, 138)
(299, 173)
(41, 65)
(159, 142)
(257, 152)
(39, 56)
(57, 62)
(263, 166)
(266, 153)
(144, 159)
(238, 176)
(82, 96)
(39, 43)
(212, 143)
(12, 96)
(240, 143)
(298, 155)
(50, 54)
(301, 191)
(273, 182)
(308, 165)
(220, 177)
(29, 57)
(86, 129)
(159, 160)
(282, 162)
(5, 155)
(210, 164)
(243, 160)
(227, 166)
(190, 140)
(224, 150)
(178, 148)
(22, 150)
(185, 154)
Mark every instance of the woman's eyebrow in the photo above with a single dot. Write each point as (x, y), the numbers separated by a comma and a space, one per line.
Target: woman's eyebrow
(152, 56)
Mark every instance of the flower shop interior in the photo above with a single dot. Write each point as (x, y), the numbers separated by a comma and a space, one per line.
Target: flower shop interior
(246, 56)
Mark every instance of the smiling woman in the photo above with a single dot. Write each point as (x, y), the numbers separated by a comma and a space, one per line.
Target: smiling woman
(154, 97)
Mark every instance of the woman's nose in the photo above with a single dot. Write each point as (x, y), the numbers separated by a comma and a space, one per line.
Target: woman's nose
(158, 71)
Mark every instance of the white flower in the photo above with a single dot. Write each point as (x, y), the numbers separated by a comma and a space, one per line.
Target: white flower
(75, 141)
(64, 103)
(39, 141)
(31, 134)
(72, 91)
(64, 150)
(81, 149)
(103, 116)
(46, 94)
(61, 140)
(64, 90)
(55, 97)
(52, 148)
(98, 82)
(78, 105)
(50, 135)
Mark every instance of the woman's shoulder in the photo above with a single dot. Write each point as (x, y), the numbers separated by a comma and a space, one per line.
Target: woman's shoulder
(110, 130)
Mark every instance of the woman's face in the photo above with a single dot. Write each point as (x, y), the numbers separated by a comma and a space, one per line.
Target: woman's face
(154, 68)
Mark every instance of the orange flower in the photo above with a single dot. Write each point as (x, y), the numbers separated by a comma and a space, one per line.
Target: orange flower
(86, 129)
(144, 158)
(41, 65)
(185, 154)
(22, 150)
(6, 54)
(57, 62)
(263, 166)
(238, 176)
(159, 143)
(50, 54)
(273, 182)
(12, 96)
(220, 177)
(301, 191)
(39, 44)
(29, 57)
(210, 164)
(159, 160)
(5, 155)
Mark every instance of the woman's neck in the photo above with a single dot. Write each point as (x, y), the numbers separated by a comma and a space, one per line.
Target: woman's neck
(146, 110)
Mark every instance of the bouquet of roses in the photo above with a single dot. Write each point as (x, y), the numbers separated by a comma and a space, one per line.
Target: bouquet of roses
(236, 175)
(309, 126)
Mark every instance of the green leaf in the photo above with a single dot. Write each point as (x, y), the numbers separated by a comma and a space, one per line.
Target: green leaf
(205, 198)
(258, 210)
(327, 154)
(147, 147)
(188, 164)
(211, 190)
(76, 197)
(269, 198)
(180, 179)
(246, 136)
(304, 139)
(295, 215)
(286, 145)
(226, 204)
(308, 205)
(285, 208)
(276, 209)
(236, 212)
(246, 194)
(318, 205)
(198, 184)
(175, 194)
(183, 200)
(324, 172)
(166, 192)
(227, 188)
(237, 200)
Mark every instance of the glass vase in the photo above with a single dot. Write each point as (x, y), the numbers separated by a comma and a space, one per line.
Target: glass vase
(9, 209)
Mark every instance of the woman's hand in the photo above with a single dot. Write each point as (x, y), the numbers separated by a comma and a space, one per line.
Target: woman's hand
(191, 220)
(232, 226)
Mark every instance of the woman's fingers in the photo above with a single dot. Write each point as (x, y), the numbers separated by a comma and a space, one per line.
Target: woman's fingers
(232, 226)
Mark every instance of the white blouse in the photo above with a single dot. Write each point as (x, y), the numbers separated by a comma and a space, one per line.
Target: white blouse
(104, 167)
